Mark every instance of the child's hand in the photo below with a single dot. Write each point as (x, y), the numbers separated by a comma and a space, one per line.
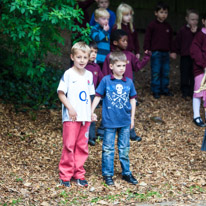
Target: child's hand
(132, 123)
(138, 56)
(173, 55)
(94, 117)
(106, 27)
(72, 114)
(148, 52)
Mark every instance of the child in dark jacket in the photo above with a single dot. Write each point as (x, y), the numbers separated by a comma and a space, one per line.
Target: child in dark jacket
(158, 39)
(182, 45)
(97, 77)
(198, 54)
(120, 41)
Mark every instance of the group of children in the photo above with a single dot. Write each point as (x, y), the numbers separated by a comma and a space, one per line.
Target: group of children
(104, 71)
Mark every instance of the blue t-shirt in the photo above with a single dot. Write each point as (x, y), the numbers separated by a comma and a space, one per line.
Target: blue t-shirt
(116, 107)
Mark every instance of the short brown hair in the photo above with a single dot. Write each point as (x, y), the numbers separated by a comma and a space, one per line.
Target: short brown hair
(117, 56)
(191, 11)
(80, 46)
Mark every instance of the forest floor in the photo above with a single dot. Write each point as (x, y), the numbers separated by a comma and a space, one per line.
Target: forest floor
(168, 162)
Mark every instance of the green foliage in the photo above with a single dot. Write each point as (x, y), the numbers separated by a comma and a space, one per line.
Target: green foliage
(32, 93)
(29, 29)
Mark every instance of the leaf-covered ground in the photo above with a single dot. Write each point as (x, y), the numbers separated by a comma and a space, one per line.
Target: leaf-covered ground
(168, 163)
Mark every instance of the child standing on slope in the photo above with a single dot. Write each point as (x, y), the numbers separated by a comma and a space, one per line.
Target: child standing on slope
(74, 90)
(124, 21)
(198, 54)
(118, 113)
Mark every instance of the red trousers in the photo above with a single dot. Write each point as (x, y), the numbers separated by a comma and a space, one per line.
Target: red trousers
(75, 150)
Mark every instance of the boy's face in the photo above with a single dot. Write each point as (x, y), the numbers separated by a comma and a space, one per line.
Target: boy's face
(192, 19)
(103, 4)
(161, 15)
(103, 21)
(93, 54)
(118, 69)
(80, 59)
(122, 43)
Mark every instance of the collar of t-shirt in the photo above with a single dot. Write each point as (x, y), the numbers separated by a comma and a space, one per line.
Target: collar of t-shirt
(123, 78)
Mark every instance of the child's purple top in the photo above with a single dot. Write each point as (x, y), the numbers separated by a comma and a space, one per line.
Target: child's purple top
(198, 52)
(183, 40)
(133, 64)
(158, 37)
(96, 71)
(133, 43)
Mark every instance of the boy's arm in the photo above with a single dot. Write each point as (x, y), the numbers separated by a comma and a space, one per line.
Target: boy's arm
(98, 35)
(137, 64)
(133, 104)
(66, 103)
(94, 105)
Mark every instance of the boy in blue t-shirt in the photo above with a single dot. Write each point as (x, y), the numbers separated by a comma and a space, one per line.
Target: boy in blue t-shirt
(118, 111)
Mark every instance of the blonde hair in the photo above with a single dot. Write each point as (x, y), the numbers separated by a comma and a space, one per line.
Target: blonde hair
(117, 56)
(80, 46)
(121, 10)
(101, 12)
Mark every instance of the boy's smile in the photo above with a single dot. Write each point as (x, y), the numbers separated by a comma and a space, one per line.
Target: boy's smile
(80, 60)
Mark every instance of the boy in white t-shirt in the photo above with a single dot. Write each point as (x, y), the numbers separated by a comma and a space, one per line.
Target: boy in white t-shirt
(74, 90)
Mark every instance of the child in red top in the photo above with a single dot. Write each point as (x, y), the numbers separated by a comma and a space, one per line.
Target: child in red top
(198, 54)
(124, 21)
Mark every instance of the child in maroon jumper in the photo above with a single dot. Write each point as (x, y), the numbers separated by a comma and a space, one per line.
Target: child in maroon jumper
(97, 77)
(198, 54)
(182, 45)
(124, 21)
(119, 40)
(158, 39)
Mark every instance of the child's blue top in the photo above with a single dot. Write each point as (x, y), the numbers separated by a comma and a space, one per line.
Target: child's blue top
(112, 19)
(102, 38)
(116, 107)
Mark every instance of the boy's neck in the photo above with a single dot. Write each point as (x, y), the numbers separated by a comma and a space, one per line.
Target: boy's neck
(116, 48)
(160, 20)
(79, 71)
(117, 77)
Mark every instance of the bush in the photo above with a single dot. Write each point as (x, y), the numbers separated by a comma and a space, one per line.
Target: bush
(29, 29)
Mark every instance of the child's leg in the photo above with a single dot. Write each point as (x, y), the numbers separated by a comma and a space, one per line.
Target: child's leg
(92, 133)
(81, 150)
(196, 107)
(123, 149)
(108, 152)
(155, 72)
(66, 165)
(165, 72)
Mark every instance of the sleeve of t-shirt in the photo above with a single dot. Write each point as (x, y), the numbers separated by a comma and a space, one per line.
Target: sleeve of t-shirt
(91, 85)
(133, 92)
(100, 91)
(62, 84)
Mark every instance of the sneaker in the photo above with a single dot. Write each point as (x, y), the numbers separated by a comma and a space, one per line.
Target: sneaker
(108, 180)
(81, 182)
(130, 179)
(198, 121)
(168, 94)
(65, 183)
(156, 95)
(136, 138)
(91, 142)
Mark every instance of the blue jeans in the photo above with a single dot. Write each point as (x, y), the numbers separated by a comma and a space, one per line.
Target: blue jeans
(108, 150)
(160, 65)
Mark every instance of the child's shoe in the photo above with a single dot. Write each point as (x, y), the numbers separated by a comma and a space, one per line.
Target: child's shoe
(198, 121)
(91, 142)
(81, 182)
(108, 180)
(156, 95)
(136, 138)
(130, 179)
(65, 183)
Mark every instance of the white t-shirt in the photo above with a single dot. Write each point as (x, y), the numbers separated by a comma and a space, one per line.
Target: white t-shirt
(77, 89)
